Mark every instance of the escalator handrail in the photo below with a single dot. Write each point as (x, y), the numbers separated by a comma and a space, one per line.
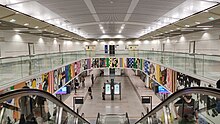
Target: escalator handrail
(25, 92)
(201, 90)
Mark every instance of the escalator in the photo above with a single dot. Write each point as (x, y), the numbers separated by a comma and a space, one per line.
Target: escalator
(187, 106)
(32, 106)
(112, 119)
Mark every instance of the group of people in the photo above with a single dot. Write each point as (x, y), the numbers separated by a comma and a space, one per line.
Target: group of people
(187, 108)
(34, 109)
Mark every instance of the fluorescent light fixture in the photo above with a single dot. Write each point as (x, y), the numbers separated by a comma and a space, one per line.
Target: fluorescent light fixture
(26, 24)
(187, 30)
(16, 30)
(103, 31)
(120, 32)
(178, 28)
(122, 27)
(186, 25)
(211, 18)
(36, 27)
(52, 31)
(197, 22)
(171, 30)
(204, 26)
(101, 27)
(12, 20)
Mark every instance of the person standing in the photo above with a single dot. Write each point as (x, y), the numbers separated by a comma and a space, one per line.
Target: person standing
(187, 110)
(103, 93)
(83, 81)
(90, 92)
(92, 79)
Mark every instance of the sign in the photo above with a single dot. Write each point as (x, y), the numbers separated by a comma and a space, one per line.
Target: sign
(78, 101)
(107, 89)
(116, 89)
(146, 100)
(106, 48)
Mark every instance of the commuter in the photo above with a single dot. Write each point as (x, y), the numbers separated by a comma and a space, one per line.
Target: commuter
(218, 99)
(75, 85)
(103, 93)
(187, 110)
(90, 92)
(22, 119)
(83, 81)
(92, 79)
(24, 103)
(40, 101)
(39, 119)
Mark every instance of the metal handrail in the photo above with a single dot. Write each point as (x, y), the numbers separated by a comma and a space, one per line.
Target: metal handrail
(201, 90)
(26, 92)
(8, 57)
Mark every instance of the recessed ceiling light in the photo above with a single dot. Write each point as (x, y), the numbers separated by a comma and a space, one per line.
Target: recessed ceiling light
(171, 30)
(26, 24)
(197, 22)
(161, 33)
(45, 29)
(0, 22)
(178, 28)
(16, 12)
(12, 20)
(211, 18)
(52, 31)
(119, 32)
(186, 25)
(36, 27)
(101, 27)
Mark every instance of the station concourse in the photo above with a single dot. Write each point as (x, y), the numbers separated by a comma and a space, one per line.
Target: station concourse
(109, 61)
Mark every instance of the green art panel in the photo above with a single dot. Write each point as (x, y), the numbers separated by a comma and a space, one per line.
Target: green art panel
(107, 62)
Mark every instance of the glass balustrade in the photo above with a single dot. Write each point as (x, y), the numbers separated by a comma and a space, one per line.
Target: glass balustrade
(189, 107)
(22, 107)
(13, 69)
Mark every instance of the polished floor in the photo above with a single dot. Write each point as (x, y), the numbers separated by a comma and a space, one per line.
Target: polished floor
(129, 102)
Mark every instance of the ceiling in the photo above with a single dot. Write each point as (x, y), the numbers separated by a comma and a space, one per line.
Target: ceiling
(95, 19)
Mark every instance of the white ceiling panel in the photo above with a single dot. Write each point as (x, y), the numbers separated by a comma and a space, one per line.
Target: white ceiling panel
(98, 17)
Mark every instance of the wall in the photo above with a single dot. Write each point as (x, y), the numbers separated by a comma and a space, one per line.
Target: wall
(14, 44)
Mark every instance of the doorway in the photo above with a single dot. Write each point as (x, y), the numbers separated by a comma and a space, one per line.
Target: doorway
(31, 49)
(192, 47)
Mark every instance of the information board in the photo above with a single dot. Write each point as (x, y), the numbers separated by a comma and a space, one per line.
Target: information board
(116, 89)
(107, 89)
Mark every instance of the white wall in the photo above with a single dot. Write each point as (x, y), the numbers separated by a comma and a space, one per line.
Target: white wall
(206, 42)
(14, 44)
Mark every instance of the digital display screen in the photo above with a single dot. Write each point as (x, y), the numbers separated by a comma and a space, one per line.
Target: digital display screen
(162, 90)
(107, 89)
(62, 91)
(116, 89)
